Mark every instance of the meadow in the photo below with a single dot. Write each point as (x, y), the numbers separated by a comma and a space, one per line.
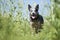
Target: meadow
(17, 28)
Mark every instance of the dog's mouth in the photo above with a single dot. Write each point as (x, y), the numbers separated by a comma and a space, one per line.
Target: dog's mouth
(33, 17)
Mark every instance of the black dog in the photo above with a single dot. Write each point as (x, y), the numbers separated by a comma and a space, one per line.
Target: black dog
(36, 20)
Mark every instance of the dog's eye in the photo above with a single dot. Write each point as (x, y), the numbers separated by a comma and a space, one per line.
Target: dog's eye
(36, 10)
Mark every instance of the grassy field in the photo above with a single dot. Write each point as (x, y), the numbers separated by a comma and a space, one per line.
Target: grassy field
(15, 27)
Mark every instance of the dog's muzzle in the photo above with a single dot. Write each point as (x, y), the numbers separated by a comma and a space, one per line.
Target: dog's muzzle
(33, 16)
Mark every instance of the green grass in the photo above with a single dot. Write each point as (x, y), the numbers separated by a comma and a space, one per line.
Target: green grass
(15, 28)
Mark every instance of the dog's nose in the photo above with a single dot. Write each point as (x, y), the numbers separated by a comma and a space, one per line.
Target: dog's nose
(33, 13)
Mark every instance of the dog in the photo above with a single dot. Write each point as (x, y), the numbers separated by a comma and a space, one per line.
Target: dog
(36, 20)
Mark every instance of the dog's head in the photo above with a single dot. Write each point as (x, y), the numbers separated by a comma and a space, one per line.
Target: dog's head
(33, 11)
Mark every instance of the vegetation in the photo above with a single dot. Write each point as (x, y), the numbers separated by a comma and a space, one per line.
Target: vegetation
(15, 27)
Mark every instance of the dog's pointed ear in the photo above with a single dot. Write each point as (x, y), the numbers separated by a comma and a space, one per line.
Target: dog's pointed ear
(37, 7)
(29, 6)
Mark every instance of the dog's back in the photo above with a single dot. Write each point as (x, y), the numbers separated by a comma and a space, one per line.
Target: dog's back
(41, 19)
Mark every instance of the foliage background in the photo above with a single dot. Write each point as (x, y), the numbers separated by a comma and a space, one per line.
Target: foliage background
(16, 27)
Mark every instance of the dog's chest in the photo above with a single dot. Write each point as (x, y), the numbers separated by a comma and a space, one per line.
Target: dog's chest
(35, 24)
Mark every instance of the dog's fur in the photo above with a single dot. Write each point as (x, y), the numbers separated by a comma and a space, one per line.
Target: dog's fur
(36, 20)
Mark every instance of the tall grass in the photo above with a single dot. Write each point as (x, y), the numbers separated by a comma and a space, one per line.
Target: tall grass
(17, 28)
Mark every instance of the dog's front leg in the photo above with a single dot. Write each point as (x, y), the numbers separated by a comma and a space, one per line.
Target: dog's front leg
(32, 32)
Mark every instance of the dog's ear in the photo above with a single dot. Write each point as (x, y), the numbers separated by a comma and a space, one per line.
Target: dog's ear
(37, 7)
(29, 7)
